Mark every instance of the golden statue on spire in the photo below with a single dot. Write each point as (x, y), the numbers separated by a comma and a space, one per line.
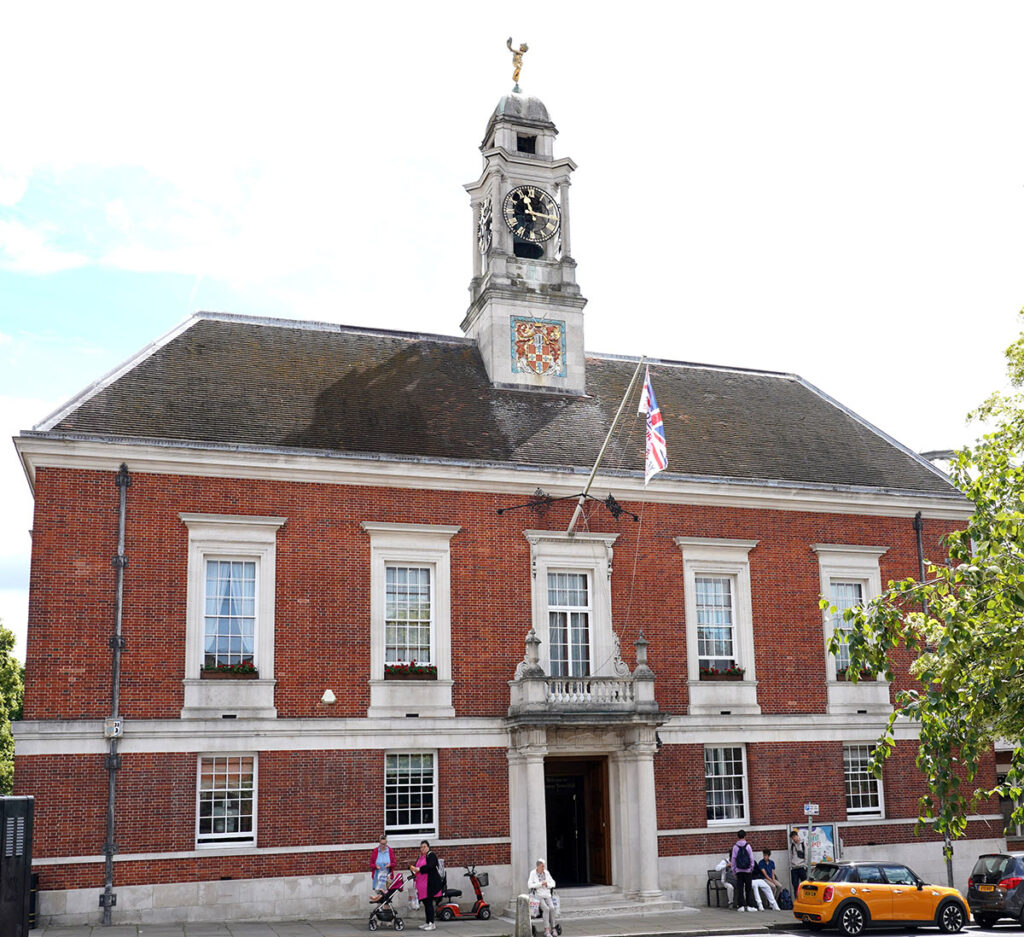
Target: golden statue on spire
(517, 60)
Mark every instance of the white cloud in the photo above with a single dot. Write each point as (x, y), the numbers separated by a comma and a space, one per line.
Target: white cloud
(27, 250)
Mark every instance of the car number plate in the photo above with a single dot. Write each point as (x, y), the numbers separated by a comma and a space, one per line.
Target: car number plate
(986, 888)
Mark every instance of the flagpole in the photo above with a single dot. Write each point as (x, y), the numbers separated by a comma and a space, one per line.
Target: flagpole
(570, 531)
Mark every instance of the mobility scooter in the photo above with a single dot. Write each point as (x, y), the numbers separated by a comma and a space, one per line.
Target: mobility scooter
(448, 908)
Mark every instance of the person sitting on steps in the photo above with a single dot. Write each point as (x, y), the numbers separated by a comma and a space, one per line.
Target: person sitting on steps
(540, 885)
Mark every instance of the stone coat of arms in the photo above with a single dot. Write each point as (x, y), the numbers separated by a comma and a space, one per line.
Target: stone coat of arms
(538, 347)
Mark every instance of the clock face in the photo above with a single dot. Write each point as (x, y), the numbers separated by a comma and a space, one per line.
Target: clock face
(530, 213)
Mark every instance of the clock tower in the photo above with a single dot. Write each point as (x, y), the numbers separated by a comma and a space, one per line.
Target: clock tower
(525, 310)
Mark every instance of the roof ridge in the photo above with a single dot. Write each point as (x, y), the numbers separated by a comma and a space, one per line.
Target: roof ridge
(313, 325)
(671, 362)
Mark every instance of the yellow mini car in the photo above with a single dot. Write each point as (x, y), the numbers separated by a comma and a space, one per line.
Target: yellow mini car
(853, 895)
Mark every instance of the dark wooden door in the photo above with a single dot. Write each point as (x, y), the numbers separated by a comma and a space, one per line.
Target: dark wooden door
(576, 800)
(596, 797)
(567, 831)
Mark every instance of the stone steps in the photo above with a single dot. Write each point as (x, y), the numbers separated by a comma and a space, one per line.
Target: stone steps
(589, 901)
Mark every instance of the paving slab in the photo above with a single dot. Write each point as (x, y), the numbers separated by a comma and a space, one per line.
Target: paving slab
(688, 922)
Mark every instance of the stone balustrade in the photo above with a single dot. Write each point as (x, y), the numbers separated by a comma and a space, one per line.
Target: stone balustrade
(536, 697)
(590, 691)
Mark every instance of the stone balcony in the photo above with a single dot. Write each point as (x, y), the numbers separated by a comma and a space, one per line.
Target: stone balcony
(537, 698)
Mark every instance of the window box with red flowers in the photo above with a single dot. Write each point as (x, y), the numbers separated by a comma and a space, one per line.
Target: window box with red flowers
(413, 670)
(724, 673)
(243, 670)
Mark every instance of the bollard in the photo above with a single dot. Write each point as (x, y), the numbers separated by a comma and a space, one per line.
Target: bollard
(523, 926)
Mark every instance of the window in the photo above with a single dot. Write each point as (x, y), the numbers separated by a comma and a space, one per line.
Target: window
(899, 875)
(850, 575)
(410, 793)
(526, 144)
(408, 615)
(715, 620)
(571, 600)
(845, 595)
(569, 624)
(725, 784)
(869, 874)
(229, 613)
(230, 620)
(719, 625)
(226, 812)
(863, 789)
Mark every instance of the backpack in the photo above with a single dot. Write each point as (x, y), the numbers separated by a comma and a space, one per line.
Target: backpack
(785, 901)
(743, 857)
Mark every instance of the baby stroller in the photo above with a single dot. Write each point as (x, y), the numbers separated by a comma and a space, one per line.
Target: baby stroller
(535, 914)
(385, 911)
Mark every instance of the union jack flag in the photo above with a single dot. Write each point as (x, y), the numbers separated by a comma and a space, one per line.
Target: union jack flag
(657, 455)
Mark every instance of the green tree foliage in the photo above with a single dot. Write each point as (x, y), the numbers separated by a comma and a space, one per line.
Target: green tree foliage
(964, 625)
(12, 691)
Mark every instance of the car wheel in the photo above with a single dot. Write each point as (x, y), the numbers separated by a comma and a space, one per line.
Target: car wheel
(986, 921)
(853, 918)
(446, 914)
(951, 917)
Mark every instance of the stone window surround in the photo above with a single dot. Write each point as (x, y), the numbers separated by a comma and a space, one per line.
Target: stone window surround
(414, 545)
(850, 563)
(715, 556)
(732, 821)
(867, 815)
(586, 552)
(230, 536)
(846, 563)
(236, 844)
(398, 837)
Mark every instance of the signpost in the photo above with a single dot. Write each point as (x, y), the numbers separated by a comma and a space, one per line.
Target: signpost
(810, 811)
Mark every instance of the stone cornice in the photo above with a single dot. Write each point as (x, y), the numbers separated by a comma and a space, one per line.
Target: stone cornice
(48, 450)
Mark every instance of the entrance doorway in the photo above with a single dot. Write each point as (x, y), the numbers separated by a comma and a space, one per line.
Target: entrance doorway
(576, 802)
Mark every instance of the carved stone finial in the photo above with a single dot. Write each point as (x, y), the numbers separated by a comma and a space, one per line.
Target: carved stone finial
(641, 644)
(529, 666)
(517, 61)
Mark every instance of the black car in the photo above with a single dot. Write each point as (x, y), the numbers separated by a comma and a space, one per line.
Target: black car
(996, 888)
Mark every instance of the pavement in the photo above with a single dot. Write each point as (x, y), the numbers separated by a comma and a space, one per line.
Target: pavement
(687, 922)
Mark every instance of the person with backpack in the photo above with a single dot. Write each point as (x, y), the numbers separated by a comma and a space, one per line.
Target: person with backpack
(742, 861)
(797, 861)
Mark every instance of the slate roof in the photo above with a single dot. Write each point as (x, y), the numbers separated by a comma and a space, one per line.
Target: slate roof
(271, 383)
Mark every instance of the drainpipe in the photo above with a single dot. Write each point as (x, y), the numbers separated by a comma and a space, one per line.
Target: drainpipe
(918, 528)
(113, 728)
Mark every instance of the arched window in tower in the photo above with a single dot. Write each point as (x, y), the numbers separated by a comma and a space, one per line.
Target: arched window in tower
(526, 249)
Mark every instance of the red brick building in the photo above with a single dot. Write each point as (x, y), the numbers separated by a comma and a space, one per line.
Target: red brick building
(308, 509)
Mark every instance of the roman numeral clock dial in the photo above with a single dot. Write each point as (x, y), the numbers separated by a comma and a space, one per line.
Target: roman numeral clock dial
(530, 213)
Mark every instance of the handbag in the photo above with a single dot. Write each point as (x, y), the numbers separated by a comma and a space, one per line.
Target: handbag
(414, 902)
(534, 906)
(554, 901)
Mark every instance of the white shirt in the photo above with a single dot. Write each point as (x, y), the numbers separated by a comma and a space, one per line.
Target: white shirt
(540, 885)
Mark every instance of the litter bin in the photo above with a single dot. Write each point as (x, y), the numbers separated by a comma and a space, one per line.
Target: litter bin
(15, 864)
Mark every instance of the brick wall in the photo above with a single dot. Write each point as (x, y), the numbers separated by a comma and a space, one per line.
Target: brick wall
(304, 799)
(323, 602)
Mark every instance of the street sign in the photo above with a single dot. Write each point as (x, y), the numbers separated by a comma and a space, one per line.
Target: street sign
(810, 810)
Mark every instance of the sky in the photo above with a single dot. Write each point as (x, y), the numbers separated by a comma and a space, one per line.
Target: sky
(833, 189)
